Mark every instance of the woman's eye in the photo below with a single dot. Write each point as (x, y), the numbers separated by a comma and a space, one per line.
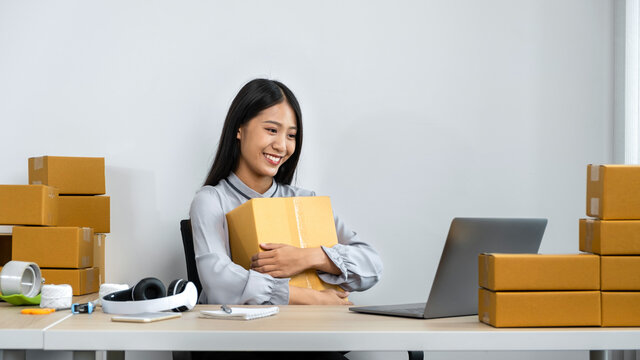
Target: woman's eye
(271, 130)
(292, 136)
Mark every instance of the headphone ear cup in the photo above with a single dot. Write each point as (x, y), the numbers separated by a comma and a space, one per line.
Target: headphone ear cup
(176, 287)
(122, 295)
(147, 289)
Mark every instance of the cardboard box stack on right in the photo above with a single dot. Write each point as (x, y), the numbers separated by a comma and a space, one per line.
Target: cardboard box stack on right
(613, 200)
(599, 288)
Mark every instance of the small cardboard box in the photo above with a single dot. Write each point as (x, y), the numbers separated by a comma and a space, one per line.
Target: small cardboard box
(499, 272)
(620, 308)
(83, 281)
(85, 211)
(28, 205)
(5, 248)
(304, 222)
(54, 247)
(613, 192)
(99, 255)
(539, 308)
(615, 237)
(71, 175)
(620, 272)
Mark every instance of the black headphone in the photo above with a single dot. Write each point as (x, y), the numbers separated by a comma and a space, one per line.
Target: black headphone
(151, 288)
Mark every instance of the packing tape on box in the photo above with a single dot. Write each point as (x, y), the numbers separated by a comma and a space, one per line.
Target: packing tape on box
(20, 277)
(595, 172)
(106, 289)
(56, 296)
(297, 209)
(595, 207)
(588, 236)
(38, 163)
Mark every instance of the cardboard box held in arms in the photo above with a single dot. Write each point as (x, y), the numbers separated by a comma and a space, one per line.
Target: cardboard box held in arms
(613, 192)
(28, 205)
(70, 175)
(54, 247)
(525, 272)
(304, 222)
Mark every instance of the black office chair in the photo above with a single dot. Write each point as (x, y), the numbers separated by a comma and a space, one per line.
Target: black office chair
(189, 254)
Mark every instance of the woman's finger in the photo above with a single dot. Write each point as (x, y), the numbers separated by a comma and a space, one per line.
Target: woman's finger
(271, 246)
(263, 255)
(342, 294)
(265, 269)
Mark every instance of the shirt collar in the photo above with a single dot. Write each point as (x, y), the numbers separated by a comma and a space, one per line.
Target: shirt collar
(246, 191)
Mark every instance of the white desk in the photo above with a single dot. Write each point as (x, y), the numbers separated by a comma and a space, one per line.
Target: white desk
(324, 328)
(18, 331)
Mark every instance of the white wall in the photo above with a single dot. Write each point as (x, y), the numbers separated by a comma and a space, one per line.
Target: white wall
(415, 112)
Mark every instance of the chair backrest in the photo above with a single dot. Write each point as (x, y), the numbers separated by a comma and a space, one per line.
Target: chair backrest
(189, 254)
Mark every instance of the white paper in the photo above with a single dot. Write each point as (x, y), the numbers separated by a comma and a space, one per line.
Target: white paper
(241, 313)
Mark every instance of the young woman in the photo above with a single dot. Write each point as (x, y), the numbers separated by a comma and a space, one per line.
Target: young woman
(257, 157)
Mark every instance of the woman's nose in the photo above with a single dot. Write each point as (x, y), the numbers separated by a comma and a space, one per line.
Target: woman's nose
(279, 143)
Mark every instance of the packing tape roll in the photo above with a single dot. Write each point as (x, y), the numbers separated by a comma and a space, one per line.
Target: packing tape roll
(106, 289)
(20, 277)
(56, 296)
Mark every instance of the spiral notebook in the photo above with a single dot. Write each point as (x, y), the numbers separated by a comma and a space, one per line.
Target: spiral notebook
(241, 313)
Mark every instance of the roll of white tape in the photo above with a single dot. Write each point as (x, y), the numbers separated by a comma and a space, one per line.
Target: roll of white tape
(106, 289)
(56, 296)
(20, 277)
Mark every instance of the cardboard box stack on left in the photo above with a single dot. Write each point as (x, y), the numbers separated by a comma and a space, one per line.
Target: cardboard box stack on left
(63, 199)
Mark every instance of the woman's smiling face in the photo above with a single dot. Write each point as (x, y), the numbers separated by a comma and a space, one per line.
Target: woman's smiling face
(266, 142)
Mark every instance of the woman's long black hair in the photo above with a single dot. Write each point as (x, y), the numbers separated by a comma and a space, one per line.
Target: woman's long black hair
(255, 96)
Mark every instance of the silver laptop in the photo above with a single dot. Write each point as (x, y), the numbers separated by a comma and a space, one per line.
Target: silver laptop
(454, 291)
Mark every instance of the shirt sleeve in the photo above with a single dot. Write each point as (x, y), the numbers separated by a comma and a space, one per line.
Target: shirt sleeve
(359, 263)
(223, 281)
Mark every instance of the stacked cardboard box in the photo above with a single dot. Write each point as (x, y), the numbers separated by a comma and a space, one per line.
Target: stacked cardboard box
(613, 232)
(525, 290)
(56, 200)
(598, 288)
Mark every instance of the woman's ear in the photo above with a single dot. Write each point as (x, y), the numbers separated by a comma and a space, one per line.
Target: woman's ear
(239, 134)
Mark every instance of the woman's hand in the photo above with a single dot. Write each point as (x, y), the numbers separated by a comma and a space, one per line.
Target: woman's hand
(281, 261)
(304, 296)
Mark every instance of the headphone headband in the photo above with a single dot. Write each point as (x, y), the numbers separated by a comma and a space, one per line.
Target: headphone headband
(188, 298)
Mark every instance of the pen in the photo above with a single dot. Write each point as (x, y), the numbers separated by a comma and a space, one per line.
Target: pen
(226, 309)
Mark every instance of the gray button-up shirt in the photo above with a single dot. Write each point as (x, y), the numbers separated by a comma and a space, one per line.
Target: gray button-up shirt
(225, 282)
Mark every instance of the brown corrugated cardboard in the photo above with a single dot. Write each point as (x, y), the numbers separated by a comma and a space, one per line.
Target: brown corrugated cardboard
(71, 175)
(539, 308)
(5, 248)
(610, 237)
(499, 272)
(99, 254)
(613, 192)
(620, 272)
(304, 222)
(620, 308)
(28, 205)
(85, 211)
(54, 247)
(83, 281)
